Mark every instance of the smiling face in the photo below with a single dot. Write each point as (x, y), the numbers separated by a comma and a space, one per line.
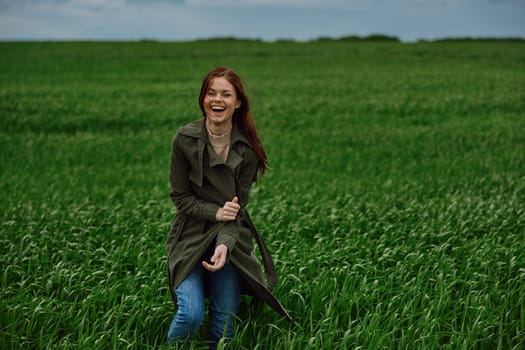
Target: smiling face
(220, 102)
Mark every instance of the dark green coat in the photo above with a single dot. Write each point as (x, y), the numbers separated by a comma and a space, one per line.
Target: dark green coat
(201, 182)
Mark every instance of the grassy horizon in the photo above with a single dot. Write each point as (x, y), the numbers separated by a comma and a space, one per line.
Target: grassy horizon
(394, 210)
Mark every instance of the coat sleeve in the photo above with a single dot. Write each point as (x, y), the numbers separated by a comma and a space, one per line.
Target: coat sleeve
(229, 233)
(181, 193)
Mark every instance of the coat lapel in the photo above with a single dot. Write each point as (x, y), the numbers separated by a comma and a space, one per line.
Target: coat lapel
(198, 131)
(234, 159)
(196, 174)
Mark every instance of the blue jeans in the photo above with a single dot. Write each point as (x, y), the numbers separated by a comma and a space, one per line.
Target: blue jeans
(225, 292)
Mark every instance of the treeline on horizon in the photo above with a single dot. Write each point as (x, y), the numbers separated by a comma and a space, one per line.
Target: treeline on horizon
(346, 38)
(366, 38)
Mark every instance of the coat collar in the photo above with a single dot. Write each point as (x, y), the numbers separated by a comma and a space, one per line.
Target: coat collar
(197, 130)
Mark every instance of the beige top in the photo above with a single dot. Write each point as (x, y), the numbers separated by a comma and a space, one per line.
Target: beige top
(220, 143)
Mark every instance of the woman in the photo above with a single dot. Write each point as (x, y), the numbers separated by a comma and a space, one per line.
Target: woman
(214, 161)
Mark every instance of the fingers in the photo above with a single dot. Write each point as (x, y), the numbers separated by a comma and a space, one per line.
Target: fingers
(212, 268)
(218, 259)
(230, 209)
(233, 205)
(228, 214)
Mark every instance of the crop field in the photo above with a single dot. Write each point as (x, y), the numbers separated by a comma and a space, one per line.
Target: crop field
(394, 209)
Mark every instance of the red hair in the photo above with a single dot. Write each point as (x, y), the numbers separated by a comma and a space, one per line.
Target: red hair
(242, 116)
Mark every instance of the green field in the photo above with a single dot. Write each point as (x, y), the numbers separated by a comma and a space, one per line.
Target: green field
(395, 207)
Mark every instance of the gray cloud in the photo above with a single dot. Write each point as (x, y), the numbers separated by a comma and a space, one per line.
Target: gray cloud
(262, 19)
(18, 5)
(146, 2)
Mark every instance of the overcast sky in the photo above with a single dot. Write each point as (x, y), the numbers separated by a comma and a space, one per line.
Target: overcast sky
(258, 19)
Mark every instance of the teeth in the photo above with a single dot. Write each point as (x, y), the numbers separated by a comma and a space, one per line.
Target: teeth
(217, 108)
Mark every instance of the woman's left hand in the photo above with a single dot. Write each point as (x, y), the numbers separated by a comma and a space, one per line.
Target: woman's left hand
(218, 259)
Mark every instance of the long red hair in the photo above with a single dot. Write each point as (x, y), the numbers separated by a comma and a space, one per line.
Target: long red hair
(242, 116)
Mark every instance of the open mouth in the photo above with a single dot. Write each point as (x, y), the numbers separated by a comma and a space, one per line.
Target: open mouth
(217, 108)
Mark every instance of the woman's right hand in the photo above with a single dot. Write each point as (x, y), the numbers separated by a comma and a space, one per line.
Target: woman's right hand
(229, 211)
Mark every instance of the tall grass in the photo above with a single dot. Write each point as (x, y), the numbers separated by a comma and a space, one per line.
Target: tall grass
(395, 208)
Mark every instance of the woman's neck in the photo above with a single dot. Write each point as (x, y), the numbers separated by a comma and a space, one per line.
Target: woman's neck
(218, 129)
